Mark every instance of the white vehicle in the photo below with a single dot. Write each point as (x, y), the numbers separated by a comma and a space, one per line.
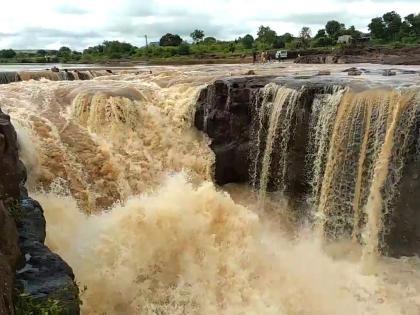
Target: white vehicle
(281, 54)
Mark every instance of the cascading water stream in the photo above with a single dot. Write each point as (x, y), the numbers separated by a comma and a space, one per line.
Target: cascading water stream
(282, 96)
(349, 157)
(124, 182)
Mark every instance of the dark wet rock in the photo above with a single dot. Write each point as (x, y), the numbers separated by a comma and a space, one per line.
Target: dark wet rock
(9, 193)
(55, 69)
(408, 72)
(354, 72)
(9, 256)
(82, 75)
(226, 111)
(43, 274)
(9, 184)
(324, 72)
(40, 273)
(250, 72)
(388, 73)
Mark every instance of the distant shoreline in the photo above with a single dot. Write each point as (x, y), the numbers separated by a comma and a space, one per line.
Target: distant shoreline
(378, 55)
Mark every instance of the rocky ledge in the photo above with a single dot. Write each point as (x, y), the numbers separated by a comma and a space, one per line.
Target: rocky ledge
(402, 56)
(227, 112)
(32, 278)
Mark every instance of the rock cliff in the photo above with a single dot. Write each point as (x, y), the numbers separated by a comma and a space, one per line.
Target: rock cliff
(29, 271)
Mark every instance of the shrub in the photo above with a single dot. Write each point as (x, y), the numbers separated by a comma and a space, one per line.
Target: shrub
(27, 305)
(184, 49)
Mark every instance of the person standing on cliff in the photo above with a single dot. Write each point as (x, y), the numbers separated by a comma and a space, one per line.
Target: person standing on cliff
(254, 56)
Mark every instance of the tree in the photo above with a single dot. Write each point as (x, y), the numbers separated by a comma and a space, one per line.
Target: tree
(41, 52)
(377, 28)
(353, 32)
(405, 30)
(117, 48)
(414, 22)
(287, 37)
(279, 42)
(321, 33)
(209, 40)
(266, 35)
(197, 35)
(305, 36)
(322, 41)
(248, 41)
(7, 53)
(170, 40)
(333, 29)
(393, 23)
(64, 52)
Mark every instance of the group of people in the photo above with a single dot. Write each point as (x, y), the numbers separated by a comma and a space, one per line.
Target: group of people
(265, 57)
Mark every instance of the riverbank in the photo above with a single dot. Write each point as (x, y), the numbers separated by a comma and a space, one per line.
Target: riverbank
(376, 55)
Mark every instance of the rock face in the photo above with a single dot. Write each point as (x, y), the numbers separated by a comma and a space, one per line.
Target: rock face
(9, 191)
(39, 272)
(9, 256)
(43, 274)
(9, 183)
(224, 113)
(227, 111)
(403, 56)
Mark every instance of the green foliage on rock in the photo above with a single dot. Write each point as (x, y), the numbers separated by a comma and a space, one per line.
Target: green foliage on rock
(27, 305)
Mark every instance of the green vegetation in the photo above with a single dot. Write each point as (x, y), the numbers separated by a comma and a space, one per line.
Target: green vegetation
(27, 305)
(390, 30)
(15, 210)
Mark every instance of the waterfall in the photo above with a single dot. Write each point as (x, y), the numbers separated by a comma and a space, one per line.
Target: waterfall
(9, 77)
(125, 183)
(352, 163)
(282, 97)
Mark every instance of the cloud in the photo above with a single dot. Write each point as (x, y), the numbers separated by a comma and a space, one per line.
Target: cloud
(316, 18)
(66, 8)
(82, 23)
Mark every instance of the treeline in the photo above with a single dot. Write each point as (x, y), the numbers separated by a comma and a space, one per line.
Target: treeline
(64, 54)
(389, 29)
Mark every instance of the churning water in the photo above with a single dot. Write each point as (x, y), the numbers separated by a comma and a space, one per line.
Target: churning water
(125, 182)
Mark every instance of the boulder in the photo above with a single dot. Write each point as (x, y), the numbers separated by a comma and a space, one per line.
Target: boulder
(388, 73)
(43, 274)
(324, 72)
(354, 72)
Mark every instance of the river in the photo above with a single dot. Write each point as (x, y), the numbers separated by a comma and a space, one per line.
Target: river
(126, 184)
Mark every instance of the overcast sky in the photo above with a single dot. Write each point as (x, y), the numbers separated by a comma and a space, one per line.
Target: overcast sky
(30, 24)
